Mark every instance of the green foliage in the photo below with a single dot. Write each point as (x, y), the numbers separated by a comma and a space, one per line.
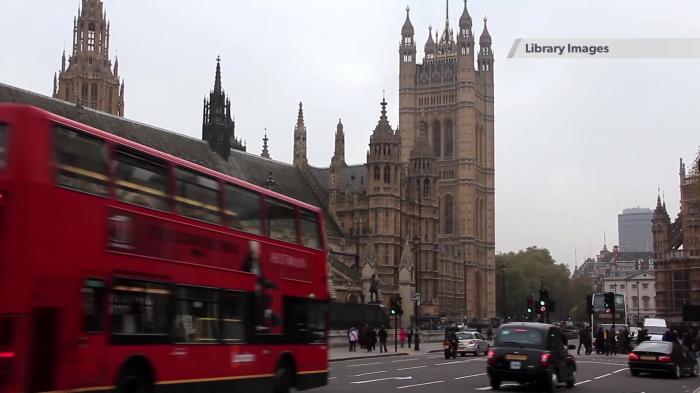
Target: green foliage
(526, 270)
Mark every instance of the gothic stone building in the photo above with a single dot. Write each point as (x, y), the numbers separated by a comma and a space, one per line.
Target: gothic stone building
(425, 195)
(89, 79)
(677, 248)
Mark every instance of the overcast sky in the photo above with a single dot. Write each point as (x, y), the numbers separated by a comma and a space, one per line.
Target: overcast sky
(576, 140)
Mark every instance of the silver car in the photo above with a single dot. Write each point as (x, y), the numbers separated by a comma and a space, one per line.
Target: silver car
(472, 342)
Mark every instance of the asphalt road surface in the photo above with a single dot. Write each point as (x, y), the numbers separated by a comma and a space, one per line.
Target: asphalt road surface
(432, 373)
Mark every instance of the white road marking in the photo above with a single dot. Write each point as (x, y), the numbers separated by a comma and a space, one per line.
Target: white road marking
(381, 379)
(373, 372)
(454, 362)
(582, 382)
(404, 360)
(419, 384)
(484, 388)
(617, 371)
(363, 364)
(332, 378)
(603, 376)
(470, 376)
(608, 363)
(503, 386)
(410, 368)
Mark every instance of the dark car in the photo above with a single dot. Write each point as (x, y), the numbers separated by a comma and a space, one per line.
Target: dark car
(531, 352)
(662, 357)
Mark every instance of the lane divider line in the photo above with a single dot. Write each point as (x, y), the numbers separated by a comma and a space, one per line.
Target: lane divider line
(419, 384)
(410, 368)
(470, 376)
(582, 382)
(373, 372)
(363, 364)
(404, 360)
(603, 376)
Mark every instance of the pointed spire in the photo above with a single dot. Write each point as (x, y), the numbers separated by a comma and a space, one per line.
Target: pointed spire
(383, 104)
(121, 90)
(407, 29)
(116, 67)
(265, 152)
(447, 13)
(465, 21)
(217, 78)
(485, 39)
(300, 139)
(55, 85)
(300, 115)
(63, 61)
(681, 170)
(430, 44)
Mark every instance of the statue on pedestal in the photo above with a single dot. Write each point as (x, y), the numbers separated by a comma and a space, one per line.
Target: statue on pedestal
(374, 289)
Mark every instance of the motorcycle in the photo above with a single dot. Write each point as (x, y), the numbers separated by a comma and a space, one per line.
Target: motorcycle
(450, 348)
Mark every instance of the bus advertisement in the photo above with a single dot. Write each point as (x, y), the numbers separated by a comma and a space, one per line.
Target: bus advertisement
(125, 269)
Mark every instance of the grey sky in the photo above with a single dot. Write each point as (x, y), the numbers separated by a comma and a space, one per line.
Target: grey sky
(576, 140)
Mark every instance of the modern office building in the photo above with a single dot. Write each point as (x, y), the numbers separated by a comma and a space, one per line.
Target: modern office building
(634, 230)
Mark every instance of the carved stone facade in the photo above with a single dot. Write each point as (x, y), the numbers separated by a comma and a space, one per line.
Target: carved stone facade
(218, 127)
(89, 79)
(425, 196)
(677, 248)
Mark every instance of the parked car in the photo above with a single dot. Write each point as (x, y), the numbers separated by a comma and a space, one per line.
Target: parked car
(662, 357)
(472, 342)
(531, 352)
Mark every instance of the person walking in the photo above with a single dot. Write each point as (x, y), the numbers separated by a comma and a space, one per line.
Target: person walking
(489, 335)
(402, 337)
(589, 340)
(600, 341)
(581, 341)
(352, 338)
(410, 335)
(382, 340)
(610, 343)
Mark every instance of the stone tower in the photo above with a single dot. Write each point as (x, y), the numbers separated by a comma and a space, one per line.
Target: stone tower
(421, 195)
(452, 101)
(300, 139)
(89, 80)
(660, 228)
(384, 197)
(218, 127)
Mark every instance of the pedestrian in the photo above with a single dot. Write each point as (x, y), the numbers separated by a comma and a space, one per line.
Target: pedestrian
(687, 340)
(372, 339)
(489, 335)
(352, 337)
(589, 340)
(382, 340)
(402, 337)
(410, 335)
(668, 336)
(581, 341)
(641, 336)
(610, 343)
(600, 341)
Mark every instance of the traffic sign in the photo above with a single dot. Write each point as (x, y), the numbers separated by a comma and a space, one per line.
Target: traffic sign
(415, 297)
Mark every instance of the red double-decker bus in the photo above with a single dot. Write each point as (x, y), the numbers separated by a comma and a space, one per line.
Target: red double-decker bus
(126, 269)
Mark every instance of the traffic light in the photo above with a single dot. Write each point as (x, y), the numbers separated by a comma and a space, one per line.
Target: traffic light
(530, 304)
(543, 306)
(399, 305)
(392, 306)
(609, 302)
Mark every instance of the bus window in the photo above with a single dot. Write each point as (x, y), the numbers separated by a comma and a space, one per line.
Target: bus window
(308, 225)
(92, 305)
(196, 316)
(305, 320)
(3, 146)
(197, 196)
(281, 219)
(233, 312)
(140, 307)
(243, 210)
(141, 180)
(81, 161)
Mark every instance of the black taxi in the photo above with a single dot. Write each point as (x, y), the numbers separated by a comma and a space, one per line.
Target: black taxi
(531, 352)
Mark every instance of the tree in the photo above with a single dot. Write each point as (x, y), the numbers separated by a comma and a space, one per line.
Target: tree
(526, 270)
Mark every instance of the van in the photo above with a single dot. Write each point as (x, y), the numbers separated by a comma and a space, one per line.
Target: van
(656, 327)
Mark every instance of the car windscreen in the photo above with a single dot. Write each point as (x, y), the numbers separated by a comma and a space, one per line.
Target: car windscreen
(519, 336)
(654, 346)
(465, 336)
(655, 329)
(3, 146)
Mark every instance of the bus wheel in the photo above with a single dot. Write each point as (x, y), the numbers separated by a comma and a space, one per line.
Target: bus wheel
(283, 379)
(136, 376)
(135, 385)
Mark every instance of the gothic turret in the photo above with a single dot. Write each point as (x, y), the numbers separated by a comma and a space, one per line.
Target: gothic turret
(485, 51)
(407, 49)
(465, 39)
(218, 127)
(300, 139)
(446, 44)
(660, 229)
(88, 79)
(265, 152)
(429, 48)
(339, 154)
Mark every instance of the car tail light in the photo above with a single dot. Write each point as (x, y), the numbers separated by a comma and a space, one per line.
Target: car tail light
(664, 359)
(544, 359)
(7, 355)
(633, 356)
(491, 357)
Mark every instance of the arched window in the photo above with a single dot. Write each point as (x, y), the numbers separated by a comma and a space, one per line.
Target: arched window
(84, 92)
(426, 188)
(387, 174)
(91, 37)
(449, 139)
(448, 213)
(377, 173)
(645, 301)
(437, 138)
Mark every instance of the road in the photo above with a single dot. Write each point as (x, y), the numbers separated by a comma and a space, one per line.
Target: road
(432, 373)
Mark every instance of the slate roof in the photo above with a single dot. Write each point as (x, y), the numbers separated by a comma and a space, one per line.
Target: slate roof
(249, 167)
(353, 178)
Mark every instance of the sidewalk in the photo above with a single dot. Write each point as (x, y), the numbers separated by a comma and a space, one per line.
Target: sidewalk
(336, 354)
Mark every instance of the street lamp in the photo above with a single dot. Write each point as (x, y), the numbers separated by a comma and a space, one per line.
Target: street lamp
(416, 240)
(503, 283)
